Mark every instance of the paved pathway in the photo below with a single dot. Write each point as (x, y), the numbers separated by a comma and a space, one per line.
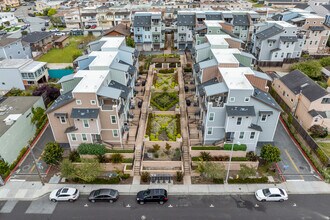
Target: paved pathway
(34, 190)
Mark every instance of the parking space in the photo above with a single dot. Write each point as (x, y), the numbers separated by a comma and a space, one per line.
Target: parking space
(28, 167)
(293, 164)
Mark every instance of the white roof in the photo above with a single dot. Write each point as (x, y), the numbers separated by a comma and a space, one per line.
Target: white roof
(235, 78)
(218, 40)
(12, 117)
(102, 59)
(91, 81)
(282, 23)
(33, 66)
(213, 23)
(215, 89)
(225, 55)
(112, 42)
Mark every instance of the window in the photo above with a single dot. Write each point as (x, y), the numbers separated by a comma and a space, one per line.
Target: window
(263, 117)
(113, 119)
(78, 102)
(93, 102)
(276, 54)
(86, 123)
(115, 133)
(209, 131)
(282, 55)
(63, 120)
(241, 135)
(316, 42)
(316, 120)
(73, 137)
(84, 137)
(246, 99)
(310, 42)
(232, 99)
(239, 121)
(292, 100)
(211, 117)
(283, 93)
(252, 135)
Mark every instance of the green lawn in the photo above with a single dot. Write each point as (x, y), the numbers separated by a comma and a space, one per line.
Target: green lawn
(325, 147)
(65, 55)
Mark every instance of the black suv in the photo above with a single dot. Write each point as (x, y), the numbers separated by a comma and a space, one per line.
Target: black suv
(152, 195)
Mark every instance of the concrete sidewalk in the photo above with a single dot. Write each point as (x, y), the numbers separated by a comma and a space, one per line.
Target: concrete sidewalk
(33, 190)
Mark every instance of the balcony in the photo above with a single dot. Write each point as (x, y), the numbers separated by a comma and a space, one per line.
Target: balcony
(107, 107)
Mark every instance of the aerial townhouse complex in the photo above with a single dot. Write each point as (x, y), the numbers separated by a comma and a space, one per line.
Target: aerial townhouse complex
(310, 25)
(233, 99)
(149, 31)
(95, 103)
(277, 40)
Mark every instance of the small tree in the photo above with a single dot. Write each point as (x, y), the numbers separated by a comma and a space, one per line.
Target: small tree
(246, 171)
(311, 68)
(130, 42)
(206, 156)
(116, 158)
(89, 170)
(317, 131)
(53, 153)
(270, 153)
(67, 169)
(51, 12)
(38, 116)
(74, 156)
(145, 176)
(211, 170)
(4, 167)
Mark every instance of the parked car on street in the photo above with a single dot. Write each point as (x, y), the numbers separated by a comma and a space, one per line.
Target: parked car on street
(93, 26)
(271, 194)
(24, 27)
(64, 194)
(59, 34)
(31, 15)
(152, 195)
(3, 32)
(87, 27)
(104, 195)
(43, 29)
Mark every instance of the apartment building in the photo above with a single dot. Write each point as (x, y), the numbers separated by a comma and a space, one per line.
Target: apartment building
(308, 101)
(186, 24)
(14, 48)
(276, 40)
(20, 73)
(149, 31)
(310, 25)
(8, 19)
(233, 99)
(11, 3)
(94, 108)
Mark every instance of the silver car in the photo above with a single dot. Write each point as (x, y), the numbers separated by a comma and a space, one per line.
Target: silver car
(271, 194)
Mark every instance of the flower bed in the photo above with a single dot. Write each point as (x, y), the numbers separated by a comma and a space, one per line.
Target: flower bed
(165, 81)
(167, 153)
(163, 127)
(164, 101)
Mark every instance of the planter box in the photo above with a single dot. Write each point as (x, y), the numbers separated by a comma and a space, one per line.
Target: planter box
(162, 144)
(235, 165)
(107, 155)
(196, 153)
(109, 166)
(130, 172)
(162, 167)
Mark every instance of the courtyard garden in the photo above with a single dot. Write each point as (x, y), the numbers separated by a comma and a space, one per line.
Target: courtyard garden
(164, 101)
(167, 153)
(163, 127)
(165, 79)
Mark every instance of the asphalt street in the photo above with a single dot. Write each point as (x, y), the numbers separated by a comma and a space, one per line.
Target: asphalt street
(178, 207)
(293, 164)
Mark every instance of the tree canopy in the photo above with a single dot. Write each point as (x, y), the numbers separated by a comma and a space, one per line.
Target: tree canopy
(270, 153)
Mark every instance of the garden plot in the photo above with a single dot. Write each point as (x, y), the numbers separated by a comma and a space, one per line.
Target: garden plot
(167, 153)
(164, 101)
(163, 127)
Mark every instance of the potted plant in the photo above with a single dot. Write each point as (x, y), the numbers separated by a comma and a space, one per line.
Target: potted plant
(178, 138)
(146, 138)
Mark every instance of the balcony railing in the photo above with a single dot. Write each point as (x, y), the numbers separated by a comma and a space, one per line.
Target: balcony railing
(107, 107)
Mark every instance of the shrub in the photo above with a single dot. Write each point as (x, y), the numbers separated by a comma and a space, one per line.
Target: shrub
(52, 154)
(93, 149)
(102, 158)
(322, 156)
(317, 131)
(217, 181)
(206, 156)
(325, 61)
(311, 68)
(4, 168)
(156, 147)
(145, 177)
(119, 151)
(127, 160)
(116, 158)
(156, 155)
(179, 176)
(248, 180)
(246, 171)
(74, 156)
(241, 147)
(205, 148)
(239, 159)
(21, 154)
(270, 153)
(251, 156)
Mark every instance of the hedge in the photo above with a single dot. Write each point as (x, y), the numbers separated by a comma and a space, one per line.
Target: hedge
(248, 180)
(127, 160)
(206, 148)
(112, 180)
(93, 149)
(241, 147)
(232, 159)
(21, 154)
(166, 70)
(119, 151)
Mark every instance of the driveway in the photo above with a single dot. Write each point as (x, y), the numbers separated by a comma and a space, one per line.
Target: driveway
(28, 168)
(293, 164)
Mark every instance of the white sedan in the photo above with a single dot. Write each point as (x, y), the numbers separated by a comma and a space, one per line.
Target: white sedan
(64, 194)
(271, 194)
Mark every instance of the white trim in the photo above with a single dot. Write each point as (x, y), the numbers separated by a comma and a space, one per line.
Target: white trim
(232, 99)
(97, 124)
(82, 138)
(213, 116)
(78, 102)
(51, 128)
(71, 135)
(64, 120)
(207, 131)
(93, 102)
(111, 119)
(83, 121)
(114, 134)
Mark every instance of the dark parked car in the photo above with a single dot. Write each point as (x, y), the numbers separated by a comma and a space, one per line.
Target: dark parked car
(24, 27)
(31, 15)
(3, 32)
(87, 27)
(104, 195)
(152, 195)
(43, 29)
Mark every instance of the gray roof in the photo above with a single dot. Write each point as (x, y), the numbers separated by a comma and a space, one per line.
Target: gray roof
(302, 6)
(265, 113)
(297, 81)
(208, 63)
(255, 127)
(265, 98)
(207, 83)
(186, 20)
(5, 41)
(289, 38)
(316, 28)
(215, 89)
(109, 92)
(66, 78)
(314, 113)
(61, 101)
(142, 21)
(240, 110)
(269, 32)
(91, 14)
(215, 17)
(36, 36)
(124, 89)
(277, 17)
(85, 112)
(241, 20)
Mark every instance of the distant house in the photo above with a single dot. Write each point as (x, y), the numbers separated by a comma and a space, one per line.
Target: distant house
(16, 128)
(119, 30)
(62, 42)
(8, 18)
(308, 101)
(39, 41)
(13, 48)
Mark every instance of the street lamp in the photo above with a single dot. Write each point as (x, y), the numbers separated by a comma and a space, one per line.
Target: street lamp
(231, 155)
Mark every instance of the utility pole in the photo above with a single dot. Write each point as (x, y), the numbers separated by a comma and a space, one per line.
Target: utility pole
(231, 155)
(37, 167)
(81, 23)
